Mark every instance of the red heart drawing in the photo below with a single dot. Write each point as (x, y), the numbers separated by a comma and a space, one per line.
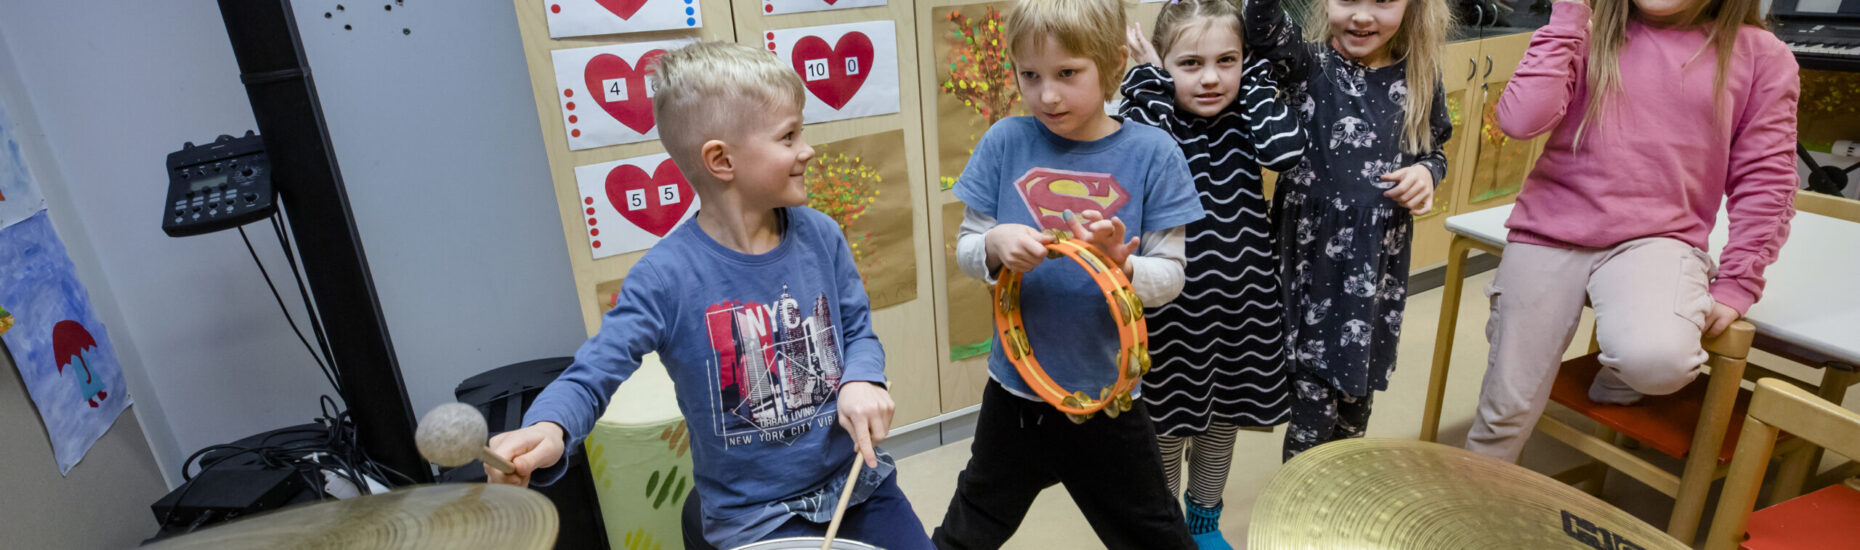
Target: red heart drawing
(654, 214)
(636, 111)
(623, 8)
(838, 85)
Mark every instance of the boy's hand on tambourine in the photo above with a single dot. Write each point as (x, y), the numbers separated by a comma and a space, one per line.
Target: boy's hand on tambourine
(1106, 235)
(1413, 190)
(1015, 246)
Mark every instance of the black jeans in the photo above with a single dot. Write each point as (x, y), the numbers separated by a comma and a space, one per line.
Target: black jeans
(884, 520)
(1111, 467)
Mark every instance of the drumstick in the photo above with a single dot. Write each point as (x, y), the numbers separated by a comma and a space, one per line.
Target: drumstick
(845, 495)
(492, 459)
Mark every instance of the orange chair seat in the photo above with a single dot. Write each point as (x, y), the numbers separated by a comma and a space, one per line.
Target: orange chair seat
(1663, 422)
(1822, 519)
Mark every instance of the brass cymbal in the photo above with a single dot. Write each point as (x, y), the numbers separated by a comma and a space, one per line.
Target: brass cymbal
(1402, 494)
(452, 515)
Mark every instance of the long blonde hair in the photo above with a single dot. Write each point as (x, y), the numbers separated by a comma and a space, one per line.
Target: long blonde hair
(1421, 42)
(1608, 34)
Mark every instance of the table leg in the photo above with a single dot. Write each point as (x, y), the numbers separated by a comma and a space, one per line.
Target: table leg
(1443, 340)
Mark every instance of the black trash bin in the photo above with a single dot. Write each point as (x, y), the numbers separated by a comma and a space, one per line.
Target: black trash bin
(503, 394)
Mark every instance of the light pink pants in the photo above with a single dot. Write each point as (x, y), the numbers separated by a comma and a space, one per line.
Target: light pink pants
(1650, 298)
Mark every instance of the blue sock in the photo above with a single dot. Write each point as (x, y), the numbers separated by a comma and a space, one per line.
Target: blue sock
(1204, 525)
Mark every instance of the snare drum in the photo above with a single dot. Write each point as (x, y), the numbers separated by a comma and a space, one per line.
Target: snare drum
(807, 543)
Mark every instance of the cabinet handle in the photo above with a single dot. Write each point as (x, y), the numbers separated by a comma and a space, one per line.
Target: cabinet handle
(1488, 67)
(1479, 18)
(1472, 69)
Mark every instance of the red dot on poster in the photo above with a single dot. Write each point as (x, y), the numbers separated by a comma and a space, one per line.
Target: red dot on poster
(597, 244)
(571, 105)
(771, 46)
(569, 92)
(594, 232)
(555, 8)
(588, 200)
(591, 221)
(770, 35)
(590, 211)
(768, 8)
(573, 119)
(575, 133)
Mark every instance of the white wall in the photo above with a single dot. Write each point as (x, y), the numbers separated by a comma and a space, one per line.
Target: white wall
(437, 137)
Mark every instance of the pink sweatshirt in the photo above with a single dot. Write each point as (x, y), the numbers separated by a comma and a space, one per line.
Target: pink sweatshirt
(1658, 162)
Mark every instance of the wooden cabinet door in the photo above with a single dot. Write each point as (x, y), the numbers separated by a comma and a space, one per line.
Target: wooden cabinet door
(1460, 70)
(1500, 163)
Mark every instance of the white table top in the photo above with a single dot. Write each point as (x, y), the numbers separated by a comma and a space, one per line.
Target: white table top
(1811, 299)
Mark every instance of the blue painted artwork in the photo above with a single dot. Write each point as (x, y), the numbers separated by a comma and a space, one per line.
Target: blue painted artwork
(19, 197)
(62, 351)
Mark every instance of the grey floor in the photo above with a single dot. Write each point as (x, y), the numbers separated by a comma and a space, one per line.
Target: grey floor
(929, 478)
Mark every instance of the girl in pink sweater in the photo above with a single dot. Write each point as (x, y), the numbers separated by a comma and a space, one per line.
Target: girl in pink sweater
(1657, 110)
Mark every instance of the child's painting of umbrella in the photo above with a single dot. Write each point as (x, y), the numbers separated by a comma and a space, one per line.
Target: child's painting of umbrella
(61, 348)
(69, 344)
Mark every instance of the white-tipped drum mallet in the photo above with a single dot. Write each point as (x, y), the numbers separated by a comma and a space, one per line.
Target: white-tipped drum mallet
(453, 435)
(845, 495)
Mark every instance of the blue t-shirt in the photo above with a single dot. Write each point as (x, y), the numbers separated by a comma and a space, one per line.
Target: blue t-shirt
(757, 347)
(1025, 174)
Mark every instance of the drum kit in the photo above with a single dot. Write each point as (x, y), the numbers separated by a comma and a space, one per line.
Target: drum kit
(1399, 493)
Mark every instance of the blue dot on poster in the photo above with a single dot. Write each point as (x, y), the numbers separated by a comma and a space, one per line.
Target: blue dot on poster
(690, 21)
(690, 11)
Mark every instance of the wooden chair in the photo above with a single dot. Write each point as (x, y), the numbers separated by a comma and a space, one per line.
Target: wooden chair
(1696, 424)
(1828, 205)
(1822, 519)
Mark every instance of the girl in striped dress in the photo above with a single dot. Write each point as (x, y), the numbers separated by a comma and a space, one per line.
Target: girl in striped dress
(1217, 349)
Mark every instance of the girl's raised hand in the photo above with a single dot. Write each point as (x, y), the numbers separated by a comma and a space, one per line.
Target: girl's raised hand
(1139, 47)
(1414, 188)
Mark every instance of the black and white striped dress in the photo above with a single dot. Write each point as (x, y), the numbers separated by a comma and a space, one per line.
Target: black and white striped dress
(1217, 350)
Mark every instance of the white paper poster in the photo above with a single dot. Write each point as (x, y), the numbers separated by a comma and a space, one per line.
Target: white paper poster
(630, 204)
(590, 17)
(850, 70)
(604, 93)
(778, 7)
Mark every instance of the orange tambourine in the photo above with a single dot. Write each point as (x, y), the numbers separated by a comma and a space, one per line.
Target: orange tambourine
(1133, 355)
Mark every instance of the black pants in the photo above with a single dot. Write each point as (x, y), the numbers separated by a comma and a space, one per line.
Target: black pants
(1111, 467)
(1322, 414)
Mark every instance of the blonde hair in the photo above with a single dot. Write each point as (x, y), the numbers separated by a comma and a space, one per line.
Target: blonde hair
(707, 90)
(1087, 28)
(1421, 42)
(1175, 17)
(1608, 35)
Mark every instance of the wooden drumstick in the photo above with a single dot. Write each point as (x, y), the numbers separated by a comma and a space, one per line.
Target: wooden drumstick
(453, 435)
(491, 459)
(845, 495)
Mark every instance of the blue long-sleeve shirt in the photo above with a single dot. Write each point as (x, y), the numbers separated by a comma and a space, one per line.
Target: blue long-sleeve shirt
(757, 347)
